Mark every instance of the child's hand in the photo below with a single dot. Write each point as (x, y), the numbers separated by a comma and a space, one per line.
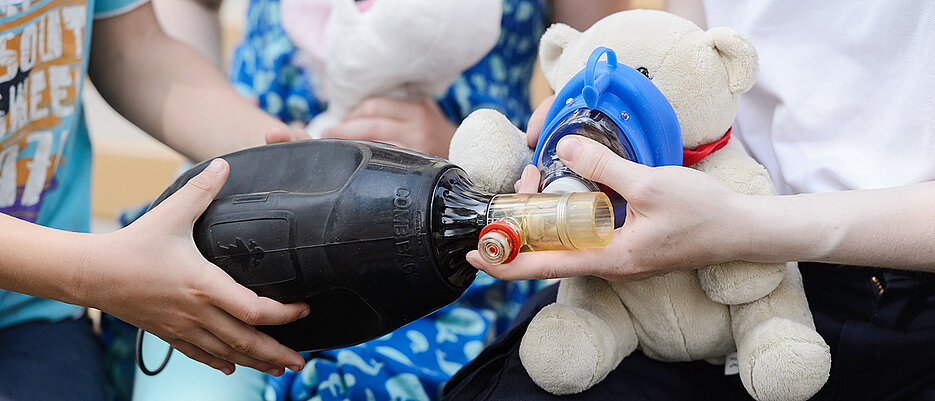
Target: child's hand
(537, 121)
(418, 126)
(529, 182)
(676, 218)
(151, 275)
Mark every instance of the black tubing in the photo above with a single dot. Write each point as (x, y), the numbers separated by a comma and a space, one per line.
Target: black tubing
(139, 356)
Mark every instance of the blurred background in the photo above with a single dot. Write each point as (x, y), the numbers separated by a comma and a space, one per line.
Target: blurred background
(130, 168)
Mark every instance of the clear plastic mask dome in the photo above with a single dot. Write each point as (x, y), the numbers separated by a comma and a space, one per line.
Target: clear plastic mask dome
(588, 123)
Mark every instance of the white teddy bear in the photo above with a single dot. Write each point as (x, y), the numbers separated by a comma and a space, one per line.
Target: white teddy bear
(404, 49)
(757, 309)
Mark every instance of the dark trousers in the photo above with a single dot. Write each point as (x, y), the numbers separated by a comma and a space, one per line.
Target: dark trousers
(50, 361)
(880, 325)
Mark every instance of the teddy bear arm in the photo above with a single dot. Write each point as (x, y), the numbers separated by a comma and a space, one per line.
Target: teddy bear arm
(787, 301)
(781, 355)
(739, 282)
(491, 150)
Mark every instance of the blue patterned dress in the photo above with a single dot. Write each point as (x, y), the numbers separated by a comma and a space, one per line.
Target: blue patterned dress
(414, 362)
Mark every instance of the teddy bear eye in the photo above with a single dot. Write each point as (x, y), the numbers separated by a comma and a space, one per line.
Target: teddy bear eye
(644, 71)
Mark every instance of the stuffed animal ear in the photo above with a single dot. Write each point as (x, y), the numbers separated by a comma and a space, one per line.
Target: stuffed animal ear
(739, 57)
(552, 45)
(304, 21)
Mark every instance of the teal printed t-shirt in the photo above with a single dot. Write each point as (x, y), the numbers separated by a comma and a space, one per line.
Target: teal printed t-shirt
(45, 153)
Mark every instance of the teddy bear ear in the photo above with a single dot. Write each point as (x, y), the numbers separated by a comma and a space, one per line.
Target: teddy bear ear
(552, 45)
(739, 57)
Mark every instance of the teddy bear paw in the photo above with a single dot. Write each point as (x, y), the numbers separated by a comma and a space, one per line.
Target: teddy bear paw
(781, 359)
(490, 150)
(567, 350)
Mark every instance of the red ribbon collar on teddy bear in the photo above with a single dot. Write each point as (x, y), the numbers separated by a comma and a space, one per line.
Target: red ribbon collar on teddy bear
(690, 157)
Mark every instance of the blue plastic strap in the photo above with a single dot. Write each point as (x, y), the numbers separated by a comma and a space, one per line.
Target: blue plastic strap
(590, 91)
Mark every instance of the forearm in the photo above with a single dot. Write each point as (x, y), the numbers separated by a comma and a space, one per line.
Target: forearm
(692, 10)
(193, 22)
(151, 275)
(41, 261)
(572, 13)
(171, 91)
(892, 227)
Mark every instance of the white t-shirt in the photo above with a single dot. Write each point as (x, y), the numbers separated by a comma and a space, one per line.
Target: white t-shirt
(845, 98)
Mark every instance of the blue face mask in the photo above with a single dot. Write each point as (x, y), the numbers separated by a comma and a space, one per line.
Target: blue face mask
(617, 106)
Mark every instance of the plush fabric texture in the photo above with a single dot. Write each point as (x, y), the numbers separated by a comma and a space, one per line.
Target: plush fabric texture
(405, 49)
(757, 309)
(497, 171)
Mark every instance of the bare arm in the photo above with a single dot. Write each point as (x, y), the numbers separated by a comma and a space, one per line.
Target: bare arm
(193, 22)
(151, 275)
(41, 261)
(892, 227)
(680, 218)
(170, 91)
(581, 14)
(692, 10)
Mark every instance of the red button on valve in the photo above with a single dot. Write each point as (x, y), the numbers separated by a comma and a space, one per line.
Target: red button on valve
(499, 243)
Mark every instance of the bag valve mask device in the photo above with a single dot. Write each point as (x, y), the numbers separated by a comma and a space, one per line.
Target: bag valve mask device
(369, 235)
(372, 236)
